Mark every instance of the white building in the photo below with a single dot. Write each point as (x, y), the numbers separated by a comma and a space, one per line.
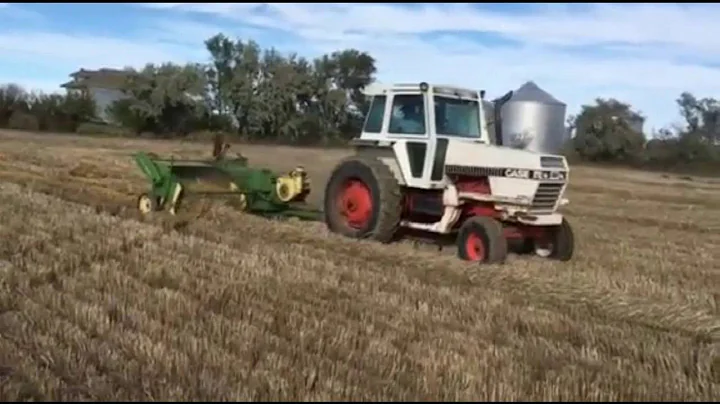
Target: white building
(104, 86)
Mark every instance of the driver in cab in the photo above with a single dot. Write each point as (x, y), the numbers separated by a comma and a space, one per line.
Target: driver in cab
(409, 119)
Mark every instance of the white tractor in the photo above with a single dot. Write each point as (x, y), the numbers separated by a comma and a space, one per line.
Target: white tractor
(424, 162)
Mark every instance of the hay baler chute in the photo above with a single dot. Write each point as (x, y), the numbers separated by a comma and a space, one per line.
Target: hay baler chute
(254, 190)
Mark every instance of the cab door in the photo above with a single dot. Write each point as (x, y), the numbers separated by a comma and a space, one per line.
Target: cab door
(409, 122)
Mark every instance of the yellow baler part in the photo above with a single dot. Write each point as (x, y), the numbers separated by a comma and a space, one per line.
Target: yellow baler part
(289, 187)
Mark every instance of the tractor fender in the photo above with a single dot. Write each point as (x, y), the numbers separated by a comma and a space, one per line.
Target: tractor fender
(386, 155)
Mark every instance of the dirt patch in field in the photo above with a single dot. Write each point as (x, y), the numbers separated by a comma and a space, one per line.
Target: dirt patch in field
(84, 170)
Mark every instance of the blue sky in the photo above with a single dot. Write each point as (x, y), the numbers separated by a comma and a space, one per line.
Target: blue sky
(644, 54)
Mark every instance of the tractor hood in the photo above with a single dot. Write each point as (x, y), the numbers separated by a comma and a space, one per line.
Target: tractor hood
(468, 157)
(516, 177)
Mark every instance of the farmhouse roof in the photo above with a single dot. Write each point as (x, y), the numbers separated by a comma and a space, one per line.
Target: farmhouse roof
(101, 78)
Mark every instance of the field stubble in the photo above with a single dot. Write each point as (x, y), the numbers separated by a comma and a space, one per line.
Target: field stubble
(96, 304)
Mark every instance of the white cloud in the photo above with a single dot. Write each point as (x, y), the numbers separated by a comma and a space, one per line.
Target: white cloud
(645, 54)
(684, 25)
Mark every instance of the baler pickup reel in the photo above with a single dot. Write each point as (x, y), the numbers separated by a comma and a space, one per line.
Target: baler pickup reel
(254, 190)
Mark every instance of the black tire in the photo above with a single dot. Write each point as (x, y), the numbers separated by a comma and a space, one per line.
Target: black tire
(522, 246)
(563, 242)
(489, 233)
(385, 195)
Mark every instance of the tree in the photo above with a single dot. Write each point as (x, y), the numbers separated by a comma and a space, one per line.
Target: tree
(604, 132)
(12, 99)
(702, 118)
(61, 113)
(340, 78)
(46, 112)
(271, 96)
(697, 142)
(163, 99)
(233, 76)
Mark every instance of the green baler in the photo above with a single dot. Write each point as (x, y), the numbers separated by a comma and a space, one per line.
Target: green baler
(259, 191)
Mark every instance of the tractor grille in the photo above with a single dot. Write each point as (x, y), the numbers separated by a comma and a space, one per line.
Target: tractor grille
(551, 162)
(474, 171)
(547, 196)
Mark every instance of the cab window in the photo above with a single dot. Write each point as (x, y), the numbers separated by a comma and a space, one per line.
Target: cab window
(457, 117)
(408, 115)
(376, 113)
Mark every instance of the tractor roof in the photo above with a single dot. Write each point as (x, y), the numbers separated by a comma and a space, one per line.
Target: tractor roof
(102, 78)
(380, 88)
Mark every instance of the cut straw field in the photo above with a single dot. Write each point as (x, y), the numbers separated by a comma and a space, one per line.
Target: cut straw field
(98, 304)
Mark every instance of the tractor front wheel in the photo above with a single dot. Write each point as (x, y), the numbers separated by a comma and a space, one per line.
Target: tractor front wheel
(363, 200)
(481, 239)
(559, 244)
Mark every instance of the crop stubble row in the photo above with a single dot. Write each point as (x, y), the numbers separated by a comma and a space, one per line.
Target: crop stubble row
(102, 307)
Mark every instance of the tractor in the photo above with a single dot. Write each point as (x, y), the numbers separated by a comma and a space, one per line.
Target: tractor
(424, 162)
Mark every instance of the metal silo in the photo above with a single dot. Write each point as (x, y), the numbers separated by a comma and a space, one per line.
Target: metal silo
(534, 120)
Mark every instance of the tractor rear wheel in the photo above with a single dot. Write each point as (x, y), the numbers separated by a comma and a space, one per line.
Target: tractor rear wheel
(363, 200)
(481, 239)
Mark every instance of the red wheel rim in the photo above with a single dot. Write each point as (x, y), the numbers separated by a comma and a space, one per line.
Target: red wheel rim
(475, 247)
(355, 204)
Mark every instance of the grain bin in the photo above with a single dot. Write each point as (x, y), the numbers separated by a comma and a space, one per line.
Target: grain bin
(534, 120)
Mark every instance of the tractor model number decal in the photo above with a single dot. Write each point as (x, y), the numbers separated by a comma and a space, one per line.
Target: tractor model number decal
(539, 175)
(535, 174)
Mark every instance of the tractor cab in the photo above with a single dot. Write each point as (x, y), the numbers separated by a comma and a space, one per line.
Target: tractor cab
(421, 111)
(434, 129)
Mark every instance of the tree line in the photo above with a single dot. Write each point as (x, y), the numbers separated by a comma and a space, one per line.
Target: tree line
(603, 134)
(266, 96)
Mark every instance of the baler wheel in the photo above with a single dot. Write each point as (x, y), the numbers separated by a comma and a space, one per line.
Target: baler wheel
(481, 239)
(147, 204)
(363, 200)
